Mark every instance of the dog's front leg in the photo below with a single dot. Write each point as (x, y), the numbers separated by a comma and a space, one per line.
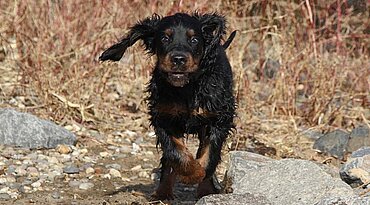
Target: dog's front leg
(209, 156)
(176, 161)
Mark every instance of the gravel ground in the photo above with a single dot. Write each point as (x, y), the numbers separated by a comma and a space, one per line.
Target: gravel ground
(122, 169)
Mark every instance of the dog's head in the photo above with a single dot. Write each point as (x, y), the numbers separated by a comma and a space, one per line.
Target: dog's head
(180, 42)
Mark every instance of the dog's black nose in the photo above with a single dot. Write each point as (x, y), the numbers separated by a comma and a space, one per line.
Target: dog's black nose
(178, 59)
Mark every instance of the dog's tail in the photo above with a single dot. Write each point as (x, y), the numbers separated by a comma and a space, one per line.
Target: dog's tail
(229, 40)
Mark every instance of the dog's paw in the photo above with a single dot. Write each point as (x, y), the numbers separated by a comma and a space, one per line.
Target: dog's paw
(162, 195)
(193, 173)
(208, 186)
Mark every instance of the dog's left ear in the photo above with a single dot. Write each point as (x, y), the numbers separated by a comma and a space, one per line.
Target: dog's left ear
(143, 30)
(213, 27)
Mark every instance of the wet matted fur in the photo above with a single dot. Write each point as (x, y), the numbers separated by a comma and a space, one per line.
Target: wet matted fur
(190, 92)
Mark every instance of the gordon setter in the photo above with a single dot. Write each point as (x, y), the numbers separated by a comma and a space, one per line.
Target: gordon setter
(190, 92)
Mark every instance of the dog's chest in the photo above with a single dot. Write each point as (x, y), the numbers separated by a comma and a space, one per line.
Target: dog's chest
(179, 110)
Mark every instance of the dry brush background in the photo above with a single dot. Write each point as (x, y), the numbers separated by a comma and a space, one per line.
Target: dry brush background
(298, 65)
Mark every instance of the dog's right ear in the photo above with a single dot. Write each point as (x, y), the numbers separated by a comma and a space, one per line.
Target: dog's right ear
(143, 30)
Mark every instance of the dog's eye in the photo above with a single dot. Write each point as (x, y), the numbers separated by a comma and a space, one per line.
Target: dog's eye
(165, 39)
(194, 40)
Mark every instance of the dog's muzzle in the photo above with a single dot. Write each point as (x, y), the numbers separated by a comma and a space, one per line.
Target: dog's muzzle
(178, 74)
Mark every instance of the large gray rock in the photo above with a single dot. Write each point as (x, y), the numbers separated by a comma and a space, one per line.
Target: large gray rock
(350, 200)
(287, 181)
(333, 143)
(356, 171)
(240, 164)
(27, 131)
(234, 199)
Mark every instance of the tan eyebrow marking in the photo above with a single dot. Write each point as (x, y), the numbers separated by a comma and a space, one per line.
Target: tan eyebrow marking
(168, 32)
(190, 33)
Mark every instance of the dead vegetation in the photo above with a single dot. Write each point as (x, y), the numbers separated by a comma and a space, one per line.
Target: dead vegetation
(297, 65)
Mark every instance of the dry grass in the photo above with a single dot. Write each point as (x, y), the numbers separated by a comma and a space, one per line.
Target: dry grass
(296, 63)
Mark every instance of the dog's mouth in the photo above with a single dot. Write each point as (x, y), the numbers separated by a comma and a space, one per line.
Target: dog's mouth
(178, 79)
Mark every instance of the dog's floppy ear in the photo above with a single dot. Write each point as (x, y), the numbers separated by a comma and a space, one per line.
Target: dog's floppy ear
(143, 30)
(213, 27)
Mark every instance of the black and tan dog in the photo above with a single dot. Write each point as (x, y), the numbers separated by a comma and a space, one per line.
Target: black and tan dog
(190, 92)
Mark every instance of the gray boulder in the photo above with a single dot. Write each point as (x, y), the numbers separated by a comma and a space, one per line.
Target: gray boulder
(234, 199)
(27, 131)
(350, 200)
(359, 137)
(287, 181)
(333, 143)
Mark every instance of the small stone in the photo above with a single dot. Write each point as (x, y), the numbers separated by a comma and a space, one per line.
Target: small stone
(36, 184)
(114, 173)
(4, 189)
(135, 148)
(14, 185)
(76, 153)
(106, 176)
(143, 174)
(136, 168)
(4, 196)
(11, 179)
(53, 160)
(51, 175)
(130, 133)
(33, 172)
(65, 158)
(55, 195)
(104, 154)
(89, 171)
(125, 149)
(63, 149)
(154, 176)
(113, 166)
(28, 162)
(151, 134)
(71, 170)
(84, 151)
(98, 170)
(74, 183)
(86, 185)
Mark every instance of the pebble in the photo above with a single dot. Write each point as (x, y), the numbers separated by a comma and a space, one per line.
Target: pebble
(113, 166)
(106, 176)
(135, 148)
(36, 184)
(103, 154)
(86, 185)
(63, 149)
(74, 183)
(71, 170)
(136, 168)
(33, 172)
(55, 195)
(4, 196)
(90, 171)
(53, 160)
(143, 174)
(114, 173)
